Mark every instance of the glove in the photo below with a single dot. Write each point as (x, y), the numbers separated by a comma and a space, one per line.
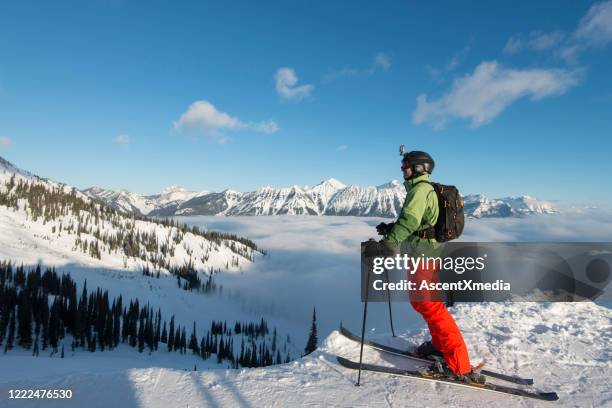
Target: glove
(384, 228)
(373, 249)
(386, 250)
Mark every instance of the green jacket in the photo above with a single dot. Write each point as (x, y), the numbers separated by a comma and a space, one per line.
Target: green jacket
(420, 211)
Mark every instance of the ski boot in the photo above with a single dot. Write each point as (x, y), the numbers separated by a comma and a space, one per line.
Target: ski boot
(440, 370)
(427, 350)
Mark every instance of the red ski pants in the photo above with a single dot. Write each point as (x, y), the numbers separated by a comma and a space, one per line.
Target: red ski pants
(445, 335)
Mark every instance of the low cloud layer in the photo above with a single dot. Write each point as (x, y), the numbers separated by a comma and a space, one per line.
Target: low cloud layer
(287, 88)
(202, 118)
(314, 261)
(484, 94)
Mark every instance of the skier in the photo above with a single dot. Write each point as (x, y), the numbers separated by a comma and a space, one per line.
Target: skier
(413, 230)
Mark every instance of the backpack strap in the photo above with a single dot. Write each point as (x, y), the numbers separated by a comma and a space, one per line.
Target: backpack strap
(427, 233)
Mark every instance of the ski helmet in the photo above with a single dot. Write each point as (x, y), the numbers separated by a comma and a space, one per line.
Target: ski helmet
(419, 162)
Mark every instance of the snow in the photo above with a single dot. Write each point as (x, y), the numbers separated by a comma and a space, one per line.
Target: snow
(479, 206)
(174, 194)
(142, 204)
(311, 261)
(330, 197)
(565, 347)
(391, 184)
(32, 241)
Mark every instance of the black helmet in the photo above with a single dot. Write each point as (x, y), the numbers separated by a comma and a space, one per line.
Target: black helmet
(419, 162)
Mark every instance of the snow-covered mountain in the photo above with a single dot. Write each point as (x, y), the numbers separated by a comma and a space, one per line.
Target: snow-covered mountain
(45, 220)
(141, 204)
(330, 197)
(479, 206)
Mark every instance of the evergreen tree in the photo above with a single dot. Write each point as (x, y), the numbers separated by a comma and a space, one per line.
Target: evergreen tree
(11, 333)
(171, 335)
(183, 341)
(311, 344)
(193, 341)
(158, 328)
(35, 351)
(141, 335)
(164, 334)
(24, 316)
(203, 348)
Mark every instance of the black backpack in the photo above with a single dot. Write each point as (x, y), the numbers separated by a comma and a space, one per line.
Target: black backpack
(451, 218)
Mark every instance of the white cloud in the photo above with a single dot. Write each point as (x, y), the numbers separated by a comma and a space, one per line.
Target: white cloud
(536, 41)
(514, 44)
(481, 96)
(595, 28)
(454, 62)
(6, 141)
(203, 118)
(380, 62)
(342, 148)
(121, 139)
(543, 41)
(594, 31)
(344, 72)
(286, 81)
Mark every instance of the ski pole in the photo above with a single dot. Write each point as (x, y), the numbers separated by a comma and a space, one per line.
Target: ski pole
(367, 254)
(389, 302)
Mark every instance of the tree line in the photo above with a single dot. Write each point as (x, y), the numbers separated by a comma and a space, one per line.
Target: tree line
(42, 310)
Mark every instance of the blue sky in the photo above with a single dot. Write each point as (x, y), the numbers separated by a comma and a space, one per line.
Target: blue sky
(510, 98)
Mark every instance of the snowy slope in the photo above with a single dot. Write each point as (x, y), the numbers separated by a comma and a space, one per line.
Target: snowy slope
(47, 226)
(330, 197)
(25, 240)
(56, 239)
(9, 171)
(565, 347)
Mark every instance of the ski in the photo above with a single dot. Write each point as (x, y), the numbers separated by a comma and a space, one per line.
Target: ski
(404, 353)
(544, 396)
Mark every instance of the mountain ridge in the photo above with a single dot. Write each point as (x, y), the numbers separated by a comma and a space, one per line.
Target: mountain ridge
(329, 197)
